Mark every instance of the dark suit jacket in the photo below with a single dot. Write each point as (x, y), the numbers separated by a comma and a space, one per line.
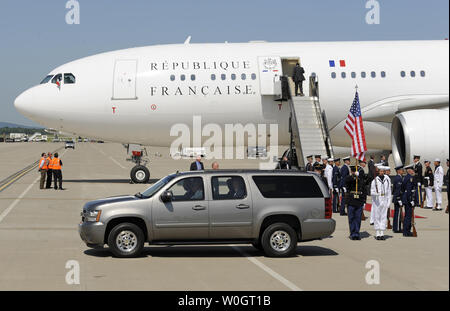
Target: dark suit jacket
(194, 166)
(298, 74)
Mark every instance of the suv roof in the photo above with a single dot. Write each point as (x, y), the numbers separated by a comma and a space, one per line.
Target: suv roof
(246, 171)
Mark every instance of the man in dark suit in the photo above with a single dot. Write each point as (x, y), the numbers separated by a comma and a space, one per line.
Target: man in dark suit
(197, 165)
(298, 77)
(418, 170)
(309, 165)
(372, 168)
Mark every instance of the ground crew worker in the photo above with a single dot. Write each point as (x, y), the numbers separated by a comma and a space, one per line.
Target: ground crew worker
(355, 198)
(380, 192)
(309, 165)
(438, 183)
(48, 184)
(418, 173)
(397, 199)
(43, 166)
(428, 183)
(345, 172)
(408, 189)
(336, 184)
(298, 77)
(57, 174)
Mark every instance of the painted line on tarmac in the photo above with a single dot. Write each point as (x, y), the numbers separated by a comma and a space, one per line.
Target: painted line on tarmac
(272, 273)
(115, 161)
(13, 204)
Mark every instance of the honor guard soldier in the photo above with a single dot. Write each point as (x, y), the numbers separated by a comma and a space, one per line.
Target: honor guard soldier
(336, 184)
(328, 172)
(428, 183)
(438, 183)
(377, 172)
(408, 189)
(345, 171)
(397, 199)
(355, 198)
(380, 192)
(418, 175)
(309, 165)
(446, 181)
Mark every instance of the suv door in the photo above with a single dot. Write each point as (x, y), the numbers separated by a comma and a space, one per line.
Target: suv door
(230, 208)
(186, 217)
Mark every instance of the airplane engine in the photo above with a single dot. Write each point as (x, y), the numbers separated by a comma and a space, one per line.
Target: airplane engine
(420, 132)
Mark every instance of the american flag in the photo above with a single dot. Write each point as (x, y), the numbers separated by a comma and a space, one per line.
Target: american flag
(355, 129)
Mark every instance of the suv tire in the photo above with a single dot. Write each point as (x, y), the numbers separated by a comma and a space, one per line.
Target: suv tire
(279, 240)
(126, 240)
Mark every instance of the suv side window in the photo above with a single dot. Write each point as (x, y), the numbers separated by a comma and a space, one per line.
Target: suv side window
(188, 189)
(275, 187)
(228, 188)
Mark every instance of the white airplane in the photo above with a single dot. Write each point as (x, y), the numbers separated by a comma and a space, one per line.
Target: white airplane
(134, 96)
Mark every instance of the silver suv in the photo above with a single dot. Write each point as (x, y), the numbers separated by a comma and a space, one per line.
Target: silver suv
(273, 210)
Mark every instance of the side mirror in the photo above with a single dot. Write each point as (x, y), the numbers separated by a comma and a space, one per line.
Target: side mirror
(167, 196)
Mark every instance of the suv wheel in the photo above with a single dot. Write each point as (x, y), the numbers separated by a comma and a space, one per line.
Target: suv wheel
(279, 240)
(126, 240)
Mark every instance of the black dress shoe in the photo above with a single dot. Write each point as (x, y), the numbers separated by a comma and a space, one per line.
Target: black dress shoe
(382, 238)
(358, 238)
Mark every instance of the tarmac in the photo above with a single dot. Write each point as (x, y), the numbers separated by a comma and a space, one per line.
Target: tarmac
(38, 236)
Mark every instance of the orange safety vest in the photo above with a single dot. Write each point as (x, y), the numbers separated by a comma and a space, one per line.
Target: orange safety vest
(44, 166)
(56, 164)
(49, 163)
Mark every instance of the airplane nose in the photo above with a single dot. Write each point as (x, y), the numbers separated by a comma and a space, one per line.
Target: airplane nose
(22, 102)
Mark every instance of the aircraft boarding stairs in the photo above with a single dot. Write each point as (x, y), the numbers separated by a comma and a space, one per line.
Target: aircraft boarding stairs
(307, 123)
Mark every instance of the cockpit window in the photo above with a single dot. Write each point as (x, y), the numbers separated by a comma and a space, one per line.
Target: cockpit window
(46, 79)
(57, 78)
(69, 78)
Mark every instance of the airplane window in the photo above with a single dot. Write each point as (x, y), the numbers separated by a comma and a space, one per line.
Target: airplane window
(403, 74)
(413, 74)
(363, 74)
(243, 76)
(353, 75)
(46, 79)
(253, 76)
(223, 76)
(333, 75)
(193, 77)
(58, 78)
(233, 76)
(172, 78)
(213, 77)
(182, 77)
(383, 74)
(373, 74)
(422, 73)
(69, 78)
(343, 75)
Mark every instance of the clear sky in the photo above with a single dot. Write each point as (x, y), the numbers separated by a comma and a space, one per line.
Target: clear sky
(34, 37)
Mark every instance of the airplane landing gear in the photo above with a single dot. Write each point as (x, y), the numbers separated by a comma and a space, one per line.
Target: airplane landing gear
(139, 174)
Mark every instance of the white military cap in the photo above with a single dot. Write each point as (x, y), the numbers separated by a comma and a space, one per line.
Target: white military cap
(437, 160)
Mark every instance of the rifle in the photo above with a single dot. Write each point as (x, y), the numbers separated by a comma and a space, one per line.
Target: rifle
(413, 221)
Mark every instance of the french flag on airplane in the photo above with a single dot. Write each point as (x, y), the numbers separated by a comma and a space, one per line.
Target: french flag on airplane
(341, 63)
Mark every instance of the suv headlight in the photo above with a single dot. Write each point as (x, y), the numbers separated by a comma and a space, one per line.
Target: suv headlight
(93, 216)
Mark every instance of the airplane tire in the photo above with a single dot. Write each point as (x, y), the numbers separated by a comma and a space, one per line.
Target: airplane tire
(140, 174)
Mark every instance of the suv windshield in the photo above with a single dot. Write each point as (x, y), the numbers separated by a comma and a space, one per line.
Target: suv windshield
(157, 186)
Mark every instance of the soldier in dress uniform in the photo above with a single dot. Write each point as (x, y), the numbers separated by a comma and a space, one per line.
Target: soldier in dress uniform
(309, 165)
(397, 199)
(408, 198)
(438, 183)
(428, 183)
(446, 181)
(380, 192)
(418, 175)
(328, 172)
(345, 171)
(317, 159)
(355, 198)
(336, 184)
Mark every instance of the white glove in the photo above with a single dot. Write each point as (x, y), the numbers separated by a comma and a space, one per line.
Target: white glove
(357, 173)
(419, 184)
(412, 203)
(400, 203)
(343, 188)
(336, 189)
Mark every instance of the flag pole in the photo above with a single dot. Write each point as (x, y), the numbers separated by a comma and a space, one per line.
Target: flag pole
(363, 217)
